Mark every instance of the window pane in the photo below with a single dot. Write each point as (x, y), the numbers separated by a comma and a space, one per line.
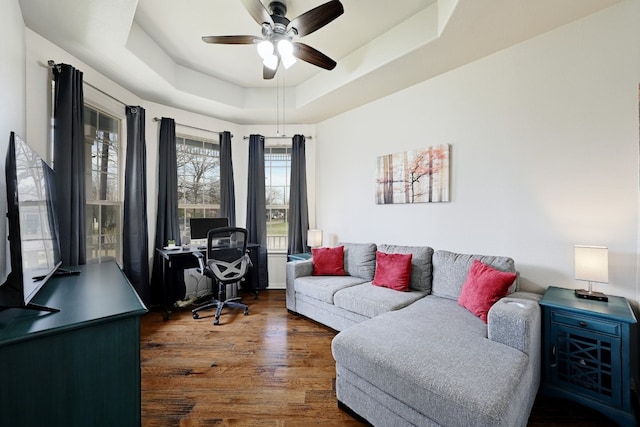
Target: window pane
(198, 180)
(104, 204)
(277, 176)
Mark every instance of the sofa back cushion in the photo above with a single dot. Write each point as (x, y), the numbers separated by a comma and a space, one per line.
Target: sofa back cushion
(360, 259)
(421, 267)
(450, 271)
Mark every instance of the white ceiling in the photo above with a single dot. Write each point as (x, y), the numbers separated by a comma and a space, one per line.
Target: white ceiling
(154, 49)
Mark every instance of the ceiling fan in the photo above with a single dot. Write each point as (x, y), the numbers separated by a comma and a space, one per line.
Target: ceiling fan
(276, 45)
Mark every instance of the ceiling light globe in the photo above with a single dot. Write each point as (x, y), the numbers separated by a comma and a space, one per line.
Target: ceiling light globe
(285, 47)
(265, 49)
(288, 61)
(271, 62)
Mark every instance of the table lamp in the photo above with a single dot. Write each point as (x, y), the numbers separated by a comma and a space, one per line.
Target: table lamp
(314, 238)
(592, 265)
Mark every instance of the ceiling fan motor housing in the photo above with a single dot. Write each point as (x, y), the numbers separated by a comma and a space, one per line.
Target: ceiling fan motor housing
(278, 12)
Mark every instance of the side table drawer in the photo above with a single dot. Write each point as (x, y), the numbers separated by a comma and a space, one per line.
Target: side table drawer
(586, 323)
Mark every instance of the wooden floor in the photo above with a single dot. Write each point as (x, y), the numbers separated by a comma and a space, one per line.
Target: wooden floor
(270, 368)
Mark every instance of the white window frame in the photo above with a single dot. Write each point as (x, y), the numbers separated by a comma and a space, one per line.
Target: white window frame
(277, 243)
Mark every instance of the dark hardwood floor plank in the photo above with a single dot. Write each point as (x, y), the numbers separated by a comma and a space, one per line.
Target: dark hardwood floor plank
(270, 368)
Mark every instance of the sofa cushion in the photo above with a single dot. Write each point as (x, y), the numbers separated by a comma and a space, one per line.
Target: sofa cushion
(483, 288)
(450, 271)
(324, 287)
(370, 300)
(360, 260)
(421, 267)
(328, 261)
(393, 271)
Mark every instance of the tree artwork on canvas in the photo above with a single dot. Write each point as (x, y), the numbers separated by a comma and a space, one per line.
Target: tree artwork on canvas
(416, 176)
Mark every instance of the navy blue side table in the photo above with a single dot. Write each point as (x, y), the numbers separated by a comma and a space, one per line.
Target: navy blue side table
(587, 352)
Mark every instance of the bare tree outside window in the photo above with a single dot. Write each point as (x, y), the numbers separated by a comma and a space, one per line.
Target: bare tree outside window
(103, 195)
(198, 163)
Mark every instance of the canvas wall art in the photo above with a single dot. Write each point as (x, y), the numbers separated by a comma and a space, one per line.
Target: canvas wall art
(416, 176)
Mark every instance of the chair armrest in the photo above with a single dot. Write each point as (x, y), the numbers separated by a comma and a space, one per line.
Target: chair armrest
(296, 269)
(515, 320)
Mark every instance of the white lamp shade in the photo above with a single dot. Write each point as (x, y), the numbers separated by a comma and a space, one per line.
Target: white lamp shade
(285, 47)
(592, 263)
(288, 61)
(314, 238)
(265, 49)
(271, 62)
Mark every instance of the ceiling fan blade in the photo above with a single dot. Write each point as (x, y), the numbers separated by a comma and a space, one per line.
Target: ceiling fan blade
(257, 11)
(268, 73)
(230, 39)
(313, 56)
(317, 17)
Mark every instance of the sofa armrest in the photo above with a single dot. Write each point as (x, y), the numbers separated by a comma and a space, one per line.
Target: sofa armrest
(296, 269)
(515, 321)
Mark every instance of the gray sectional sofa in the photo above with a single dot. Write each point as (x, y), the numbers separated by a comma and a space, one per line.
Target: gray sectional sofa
(418, 358)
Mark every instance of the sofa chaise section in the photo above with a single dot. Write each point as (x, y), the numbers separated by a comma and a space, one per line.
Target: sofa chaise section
(404, 368)
(434, 363)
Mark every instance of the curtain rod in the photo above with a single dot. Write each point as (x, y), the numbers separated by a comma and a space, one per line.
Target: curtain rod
(52, 64)
(157, 119)
(279, 137)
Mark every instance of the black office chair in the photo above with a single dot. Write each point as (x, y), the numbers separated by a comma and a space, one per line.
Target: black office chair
(227, 263)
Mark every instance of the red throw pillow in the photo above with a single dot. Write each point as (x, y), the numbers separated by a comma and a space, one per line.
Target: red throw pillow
(484, 287)
(393, 271)
(328, 261)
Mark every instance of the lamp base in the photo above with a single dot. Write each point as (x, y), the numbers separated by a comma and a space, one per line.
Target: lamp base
(584, 294)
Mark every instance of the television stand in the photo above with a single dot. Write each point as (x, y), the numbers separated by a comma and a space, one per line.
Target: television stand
(79, 367)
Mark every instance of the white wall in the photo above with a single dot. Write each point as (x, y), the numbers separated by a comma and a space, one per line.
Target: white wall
(544, 140)
(12, 105)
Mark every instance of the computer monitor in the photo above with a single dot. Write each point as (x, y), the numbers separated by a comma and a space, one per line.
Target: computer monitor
(200, 226)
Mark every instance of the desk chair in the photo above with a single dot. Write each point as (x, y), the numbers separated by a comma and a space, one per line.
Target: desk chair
(227, 263)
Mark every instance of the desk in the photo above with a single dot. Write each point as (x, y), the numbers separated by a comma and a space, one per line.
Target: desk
(79, 366)
(183, 258)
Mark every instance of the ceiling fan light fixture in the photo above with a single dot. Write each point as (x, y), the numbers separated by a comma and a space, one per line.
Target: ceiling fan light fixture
(285, 49)
(271, 62)
(265, 49)
(288, 61)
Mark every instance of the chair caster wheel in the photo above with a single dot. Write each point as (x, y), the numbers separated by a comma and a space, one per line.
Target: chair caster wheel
(195, 315)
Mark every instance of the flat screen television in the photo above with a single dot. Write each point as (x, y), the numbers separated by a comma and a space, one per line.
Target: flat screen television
(200, 226)
(33, 226)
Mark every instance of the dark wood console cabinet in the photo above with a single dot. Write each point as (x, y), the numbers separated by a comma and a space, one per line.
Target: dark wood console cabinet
(77, 367)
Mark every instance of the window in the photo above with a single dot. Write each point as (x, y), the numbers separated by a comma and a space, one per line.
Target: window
(277, 171)
(198, 162)
(102, 186)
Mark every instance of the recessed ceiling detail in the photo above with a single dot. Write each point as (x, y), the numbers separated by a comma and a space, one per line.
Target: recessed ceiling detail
(154, 48)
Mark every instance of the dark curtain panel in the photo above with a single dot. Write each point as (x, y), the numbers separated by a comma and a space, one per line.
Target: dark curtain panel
(135, 242)
(227, 187)
(256, 203)
(68, 159)
(167, 222)
(298, 208)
